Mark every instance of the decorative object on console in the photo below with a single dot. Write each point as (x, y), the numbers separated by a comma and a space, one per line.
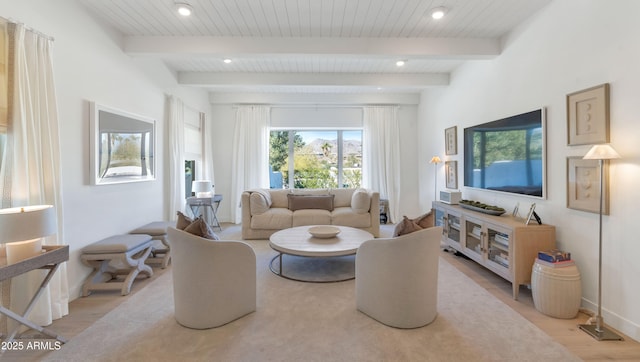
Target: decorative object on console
(435, 160)
(450, 197)
(598, 330)
(451, 172)
(481, 207)
(532, 214)
(202, 188)
(23, 229)
(588, 116)
(451, 141)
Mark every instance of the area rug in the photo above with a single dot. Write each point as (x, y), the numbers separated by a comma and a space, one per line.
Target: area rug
(298, 321)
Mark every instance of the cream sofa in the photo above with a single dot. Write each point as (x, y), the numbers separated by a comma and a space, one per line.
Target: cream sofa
(265, 211)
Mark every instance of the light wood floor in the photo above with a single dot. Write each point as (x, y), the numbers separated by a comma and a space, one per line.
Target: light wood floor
(85, 311)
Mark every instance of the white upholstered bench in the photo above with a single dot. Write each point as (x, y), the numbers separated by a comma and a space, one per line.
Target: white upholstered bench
(107, 257)
(160, 252)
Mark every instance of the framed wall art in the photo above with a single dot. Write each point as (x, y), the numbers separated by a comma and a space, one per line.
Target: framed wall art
(583, 185)
(122, 146)
(588, 116)
(451, 141)
(451, 174)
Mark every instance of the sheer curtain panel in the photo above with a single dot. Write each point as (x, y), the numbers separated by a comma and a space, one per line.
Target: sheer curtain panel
(250, 153)
(31, 173)
(176, 156)
(381, 155)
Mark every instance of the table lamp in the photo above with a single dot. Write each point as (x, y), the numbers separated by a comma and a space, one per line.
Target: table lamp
(202, 188)
(23, 229)
(598, 330)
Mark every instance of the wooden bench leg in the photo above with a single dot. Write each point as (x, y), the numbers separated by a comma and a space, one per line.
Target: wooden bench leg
(102, 273)
(139, 266)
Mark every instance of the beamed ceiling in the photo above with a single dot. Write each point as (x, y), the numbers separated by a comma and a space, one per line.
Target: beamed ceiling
(314, 46)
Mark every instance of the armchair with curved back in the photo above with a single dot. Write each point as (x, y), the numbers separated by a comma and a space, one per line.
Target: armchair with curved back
(214, 281)
(397, 278)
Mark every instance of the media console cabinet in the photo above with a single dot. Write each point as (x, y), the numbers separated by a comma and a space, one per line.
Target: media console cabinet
(503, 244)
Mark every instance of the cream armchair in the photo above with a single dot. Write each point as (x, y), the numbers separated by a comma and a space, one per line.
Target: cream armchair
(397, 278)
(214, 282)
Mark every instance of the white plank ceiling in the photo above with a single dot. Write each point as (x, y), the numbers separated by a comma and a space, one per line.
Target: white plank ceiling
(325, 46)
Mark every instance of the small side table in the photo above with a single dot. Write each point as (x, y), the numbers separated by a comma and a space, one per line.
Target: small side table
(556, 290)
(198, 204)
(50, 259)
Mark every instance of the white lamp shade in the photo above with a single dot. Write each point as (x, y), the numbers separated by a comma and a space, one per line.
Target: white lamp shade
(601, 152)
(201, 186)
(27, 223)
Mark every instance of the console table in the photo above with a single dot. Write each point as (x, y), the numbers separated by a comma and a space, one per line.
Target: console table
(50, 259)
(197, 204)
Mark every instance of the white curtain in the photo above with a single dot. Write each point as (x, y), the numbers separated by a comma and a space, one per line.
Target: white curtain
(250, 153)
(381, 155)
(176, 156)
(31, 173)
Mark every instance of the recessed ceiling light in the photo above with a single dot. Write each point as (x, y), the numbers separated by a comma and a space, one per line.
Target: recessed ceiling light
(439, 12)
(401, 63)
(227, 61)
(184, 9)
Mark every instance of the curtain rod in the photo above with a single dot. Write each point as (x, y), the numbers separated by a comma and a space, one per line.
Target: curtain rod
(236, 105)
(28, 28)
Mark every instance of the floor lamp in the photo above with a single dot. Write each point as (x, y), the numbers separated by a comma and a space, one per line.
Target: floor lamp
(598, 330)
(435, 160)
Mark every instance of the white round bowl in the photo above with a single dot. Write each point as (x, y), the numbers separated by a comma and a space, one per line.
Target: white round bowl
(324, 231)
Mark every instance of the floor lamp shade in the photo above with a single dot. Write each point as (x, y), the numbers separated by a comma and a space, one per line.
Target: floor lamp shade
(23, 229)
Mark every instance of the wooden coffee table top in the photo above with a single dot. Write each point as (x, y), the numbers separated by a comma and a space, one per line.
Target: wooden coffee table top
(298, 241)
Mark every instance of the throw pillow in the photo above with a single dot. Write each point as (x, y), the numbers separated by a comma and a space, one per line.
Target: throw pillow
(299, 202)
(183, 221)
(360, 201)
(260, 203)
(200, 228)
(406, 226)
(425, 221)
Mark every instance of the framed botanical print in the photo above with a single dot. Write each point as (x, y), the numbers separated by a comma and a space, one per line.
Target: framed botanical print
(588, 116)
(583, 185)
(451, 141)
(451, 172)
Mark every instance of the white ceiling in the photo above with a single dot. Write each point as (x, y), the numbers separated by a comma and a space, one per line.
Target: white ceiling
(321, 46)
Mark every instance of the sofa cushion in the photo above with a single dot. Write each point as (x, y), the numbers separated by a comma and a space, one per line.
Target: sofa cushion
(300, 202)
(342, 197)
(274, 219)
(310, 191)
(406, 226)
(279, 197)
(345, 216)
(360, 201)
(311, 217)
(200, 228)
(260, 201)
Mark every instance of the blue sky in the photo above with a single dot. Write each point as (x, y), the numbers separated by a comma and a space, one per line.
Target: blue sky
(309, 136)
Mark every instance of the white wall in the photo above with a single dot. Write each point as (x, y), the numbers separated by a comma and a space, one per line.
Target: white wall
(223, 116)
(571, 45)
(90, 66)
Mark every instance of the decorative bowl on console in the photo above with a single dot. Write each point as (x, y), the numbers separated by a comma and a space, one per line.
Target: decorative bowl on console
(324, 231)
(480, 207)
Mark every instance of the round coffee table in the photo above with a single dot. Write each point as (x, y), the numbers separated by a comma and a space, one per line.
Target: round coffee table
(297, 241)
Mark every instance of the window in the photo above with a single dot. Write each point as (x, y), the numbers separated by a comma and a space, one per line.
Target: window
(194, 148)
(315, 158)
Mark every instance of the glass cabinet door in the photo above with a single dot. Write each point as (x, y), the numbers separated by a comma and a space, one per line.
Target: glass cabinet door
(474, 239)
(453, 229)
(498, 242)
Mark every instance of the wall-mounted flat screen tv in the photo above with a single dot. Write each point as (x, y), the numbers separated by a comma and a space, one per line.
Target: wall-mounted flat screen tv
(507, 155)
